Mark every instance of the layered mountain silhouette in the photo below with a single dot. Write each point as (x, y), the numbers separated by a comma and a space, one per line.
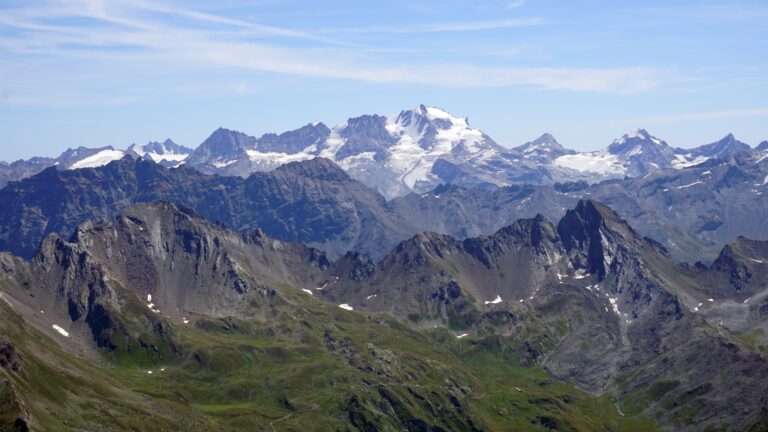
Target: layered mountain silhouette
(693, 212)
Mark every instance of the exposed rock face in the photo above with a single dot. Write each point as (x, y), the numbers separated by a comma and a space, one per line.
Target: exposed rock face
(634, 316)
(693, 212)
(9, 358)
(744, 263)
(315, 202)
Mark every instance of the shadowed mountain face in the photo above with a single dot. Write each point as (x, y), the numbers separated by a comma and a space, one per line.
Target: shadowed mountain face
(588, 300)
(693, 212)
(314, 202)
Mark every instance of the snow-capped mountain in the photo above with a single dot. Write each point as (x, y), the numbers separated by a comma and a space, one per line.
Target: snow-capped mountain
(411, 151)
(635, 153)
(414, 150)
(166, 153)
(543, 149)
(726, 147)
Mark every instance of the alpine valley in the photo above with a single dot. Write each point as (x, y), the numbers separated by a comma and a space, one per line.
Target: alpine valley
(391, 273)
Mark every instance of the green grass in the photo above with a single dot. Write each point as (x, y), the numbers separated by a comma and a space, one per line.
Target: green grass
(315, 368)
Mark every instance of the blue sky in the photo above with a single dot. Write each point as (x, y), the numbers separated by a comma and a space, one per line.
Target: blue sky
(115, 72)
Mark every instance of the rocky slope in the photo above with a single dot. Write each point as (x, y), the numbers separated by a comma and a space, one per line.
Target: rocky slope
(598, 304)
(161, 319)
(314, 202)
(158, 289)
(692, 211)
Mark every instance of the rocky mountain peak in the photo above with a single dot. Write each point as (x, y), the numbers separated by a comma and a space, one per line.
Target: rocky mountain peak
(763, 146)
(543, 149)
(726, 147)
(635, 142)
(311, 134)
(743, 262)
(592, 232)
(222, 147)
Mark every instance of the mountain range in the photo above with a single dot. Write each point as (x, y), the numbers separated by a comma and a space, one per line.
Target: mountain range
(173, 301)
(390, 273)
(413, 151)
(693, 212)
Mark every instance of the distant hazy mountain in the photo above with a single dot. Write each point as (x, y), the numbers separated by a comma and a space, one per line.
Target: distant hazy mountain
(412, 151)
(418, 149)
(167, 153)
(693, 211)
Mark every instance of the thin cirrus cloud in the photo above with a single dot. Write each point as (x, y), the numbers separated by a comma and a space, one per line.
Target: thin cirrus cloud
(166, 37)
(446, 27)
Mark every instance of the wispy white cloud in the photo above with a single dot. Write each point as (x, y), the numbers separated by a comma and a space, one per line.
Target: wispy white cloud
(445, 27)
(133, 36)
(516, 4)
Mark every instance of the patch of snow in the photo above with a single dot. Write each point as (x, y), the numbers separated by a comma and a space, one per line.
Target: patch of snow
(307, 291)
(600, 162)
(279, 158)
(224, 164)
(688, 185)
(322, 287)
(185, 321)
(346, 306)
(353, 160)
(581, 274)
(684, 161)
(61, 330)
(371, 296)
(99, 159)
(615, 306)
(172, 157)
(462, 336)
(497, 300)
